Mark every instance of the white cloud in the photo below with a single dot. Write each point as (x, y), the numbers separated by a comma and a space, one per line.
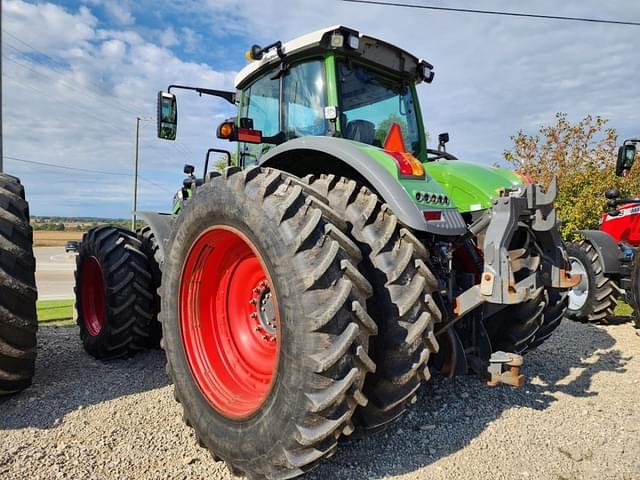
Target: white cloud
(119, 11)
(168, 37)
(77, 107)
(494, 75)
(191, 40)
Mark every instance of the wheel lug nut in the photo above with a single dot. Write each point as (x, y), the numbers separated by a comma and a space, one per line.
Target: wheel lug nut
(256, 290)
(253, 301)
(257, 329)
(264, 337)
(254, 315)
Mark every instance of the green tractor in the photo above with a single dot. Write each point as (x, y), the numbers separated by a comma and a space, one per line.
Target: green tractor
(305, 293)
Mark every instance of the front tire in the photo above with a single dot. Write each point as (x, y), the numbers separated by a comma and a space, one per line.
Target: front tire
(595, 297)
(18, 319)
(114, 297)
(264, 323)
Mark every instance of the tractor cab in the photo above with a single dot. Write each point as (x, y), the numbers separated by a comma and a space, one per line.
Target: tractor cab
(335, 90)
(334, 82)
(622, 220)
(626, 157)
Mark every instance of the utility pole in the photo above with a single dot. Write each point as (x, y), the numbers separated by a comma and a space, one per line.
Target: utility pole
(134, 205)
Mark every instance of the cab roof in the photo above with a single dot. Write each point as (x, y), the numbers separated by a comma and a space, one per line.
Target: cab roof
(369, 49)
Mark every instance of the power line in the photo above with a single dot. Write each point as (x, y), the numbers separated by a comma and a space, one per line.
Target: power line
(62, 69)
(65, 167)
(181, 149)
(496, 12)
(84, 170)
(79, 108)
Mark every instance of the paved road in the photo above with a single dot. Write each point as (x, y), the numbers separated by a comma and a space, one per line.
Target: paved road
(54, 273)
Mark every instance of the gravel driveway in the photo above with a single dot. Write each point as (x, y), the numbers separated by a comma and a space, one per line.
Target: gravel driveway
(577, 418)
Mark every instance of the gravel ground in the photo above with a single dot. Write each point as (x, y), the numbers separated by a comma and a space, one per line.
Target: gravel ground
(578, 417)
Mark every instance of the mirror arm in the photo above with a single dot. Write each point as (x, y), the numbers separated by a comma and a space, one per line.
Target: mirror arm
(215, 150)
(228, 96)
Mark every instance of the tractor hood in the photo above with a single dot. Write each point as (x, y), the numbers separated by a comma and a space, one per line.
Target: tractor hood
(471, 186)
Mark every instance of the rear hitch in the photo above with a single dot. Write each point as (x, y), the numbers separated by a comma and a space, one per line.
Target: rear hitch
(531, 205)
(504, 367)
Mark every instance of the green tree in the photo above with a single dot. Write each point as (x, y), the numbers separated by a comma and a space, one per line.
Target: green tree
(582, 157)
(221, 163)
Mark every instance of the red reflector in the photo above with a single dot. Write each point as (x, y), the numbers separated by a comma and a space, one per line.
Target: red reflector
(432, 215)
(251, 136)
(404, 165)
(394, 141)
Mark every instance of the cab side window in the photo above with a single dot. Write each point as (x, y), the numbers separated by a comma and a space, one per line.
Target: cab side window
(304, 100)
(261, 102)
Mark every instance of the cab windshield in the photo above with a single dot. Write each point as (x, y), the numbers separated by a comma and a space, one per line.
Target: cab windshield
(370, 103)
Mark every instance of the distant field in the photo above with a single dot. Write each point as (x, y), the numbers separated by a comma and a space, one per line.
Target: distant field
(55, 311)
(43, 238)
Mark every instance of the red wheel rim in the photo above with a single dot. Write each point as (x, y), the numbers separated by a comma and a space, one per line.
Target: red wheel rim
(229, 321)
(92, 295)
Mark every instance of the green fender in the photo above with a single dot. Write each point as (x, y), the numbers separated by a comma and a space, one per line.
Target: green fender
(371, 163)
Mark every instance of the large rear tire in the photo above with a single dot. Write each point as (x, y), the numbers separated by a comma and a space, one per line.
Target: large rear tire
(264, 323)
(402, 305)
(18, 319)
(114, 298)
(595, 297)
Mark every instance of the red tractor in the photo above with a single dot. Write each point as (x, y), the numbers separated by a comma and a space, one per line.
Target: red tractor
(609, 258)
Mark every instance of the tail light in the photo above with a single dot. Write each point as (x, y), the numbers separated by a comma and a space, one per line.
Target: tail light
(408, 165)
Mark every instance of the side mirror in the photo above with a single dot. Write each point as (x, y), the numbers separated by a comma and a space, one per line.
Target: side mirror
(612, 194)
(167, 116)
(626, 158)
(443, 139)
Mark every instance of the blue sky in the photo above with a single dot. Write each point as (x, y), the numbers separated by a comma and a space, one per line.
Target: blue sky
(76, 74)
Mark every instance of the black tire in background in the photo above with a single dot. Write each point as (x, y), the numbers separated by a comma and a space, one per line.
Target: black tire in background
(514, 328)
(18, 318)
(114, 293)
(594, 299)
(149, 246)
(395, 262)
(554, 311)
(323, 330)
(634, 294)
